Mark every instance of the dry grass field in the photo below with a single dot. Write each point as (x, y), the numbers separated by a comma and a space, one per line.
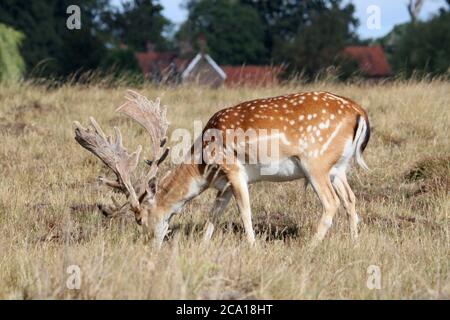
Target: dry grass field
(49, 221)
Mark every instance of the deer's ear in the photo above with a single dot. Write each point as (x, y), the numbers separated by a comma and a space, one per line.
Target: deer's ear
(152, 188)
(150, 191)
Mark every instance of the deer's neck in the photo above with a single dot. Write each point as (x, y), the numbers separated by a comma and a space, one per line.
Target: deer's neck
(178, 187)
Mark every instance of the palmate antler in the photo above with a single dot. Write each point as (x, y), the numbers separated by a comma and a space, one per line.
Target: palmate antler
(113, 154)
(152, 117)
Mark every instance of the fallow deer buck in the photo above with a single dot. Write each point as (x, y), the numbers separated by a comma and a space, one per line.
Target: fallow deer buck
(317, 134)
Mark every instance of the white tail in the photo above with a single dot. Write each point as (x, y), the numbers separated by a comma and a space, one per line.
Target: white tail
(361, 136)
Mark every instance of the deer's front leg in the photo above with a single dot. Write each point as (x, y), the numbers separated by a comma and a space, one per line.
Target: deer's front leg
(240, 191)
(220, 203)
(160, 231)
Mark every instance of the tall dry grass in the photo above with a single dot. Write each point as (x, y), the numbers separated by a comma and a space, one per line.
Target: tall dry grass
(48, 192)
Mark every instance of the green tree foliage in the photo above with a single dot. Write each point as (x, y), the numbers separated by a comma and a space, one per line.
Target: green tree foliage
(36, 20)
(84, 49)
(11, 61)
(390, 41)
(282, 19)
(120, 61)
(319, 41)
(50, 48)
(424, 47)
(138, 23)
(233, 32)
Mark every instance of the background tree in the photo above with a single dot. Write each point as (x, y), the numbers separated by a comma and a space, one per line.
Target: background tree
(282, 19)
(36, 20)
(120, 61)
(318, 42)
(49, 48)
(11, 61)
(139, 22)
(233, 31)
(423, 46)
(83, 49)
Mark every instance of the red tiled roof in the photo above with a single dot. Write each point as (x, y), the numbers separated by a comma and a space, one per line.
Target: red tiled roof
(371, 60)
(236, 75)
(148, 61)
(252, 75)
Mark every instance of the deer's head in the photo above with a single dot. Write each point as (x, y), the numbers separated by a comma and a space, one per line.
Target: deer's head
(141, 192)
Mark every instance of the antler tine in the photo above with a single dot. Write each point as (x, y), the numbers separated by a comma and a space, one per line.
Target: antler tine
(152, 117)
(118, 134)
(113, 154)
(97, 127)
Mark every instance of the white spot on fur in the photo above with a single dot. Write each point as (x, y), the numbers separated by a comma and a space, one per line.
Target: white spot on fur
(327, 221)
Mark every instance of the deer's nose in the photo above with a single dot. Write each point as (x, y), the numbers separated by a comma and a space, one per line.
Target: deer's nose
(139, 220)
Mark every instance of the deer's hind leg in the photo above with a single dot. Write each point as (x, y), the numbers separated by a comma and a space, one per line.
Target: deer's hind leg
(321, 183)
(348, 199)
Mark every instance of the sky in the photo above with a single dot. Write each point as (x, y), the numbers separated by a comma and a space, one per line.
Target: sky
(391, 12)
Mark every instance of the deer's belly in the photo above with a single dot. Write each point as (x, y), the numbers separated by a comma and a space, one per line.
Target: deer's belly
(284, 170)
